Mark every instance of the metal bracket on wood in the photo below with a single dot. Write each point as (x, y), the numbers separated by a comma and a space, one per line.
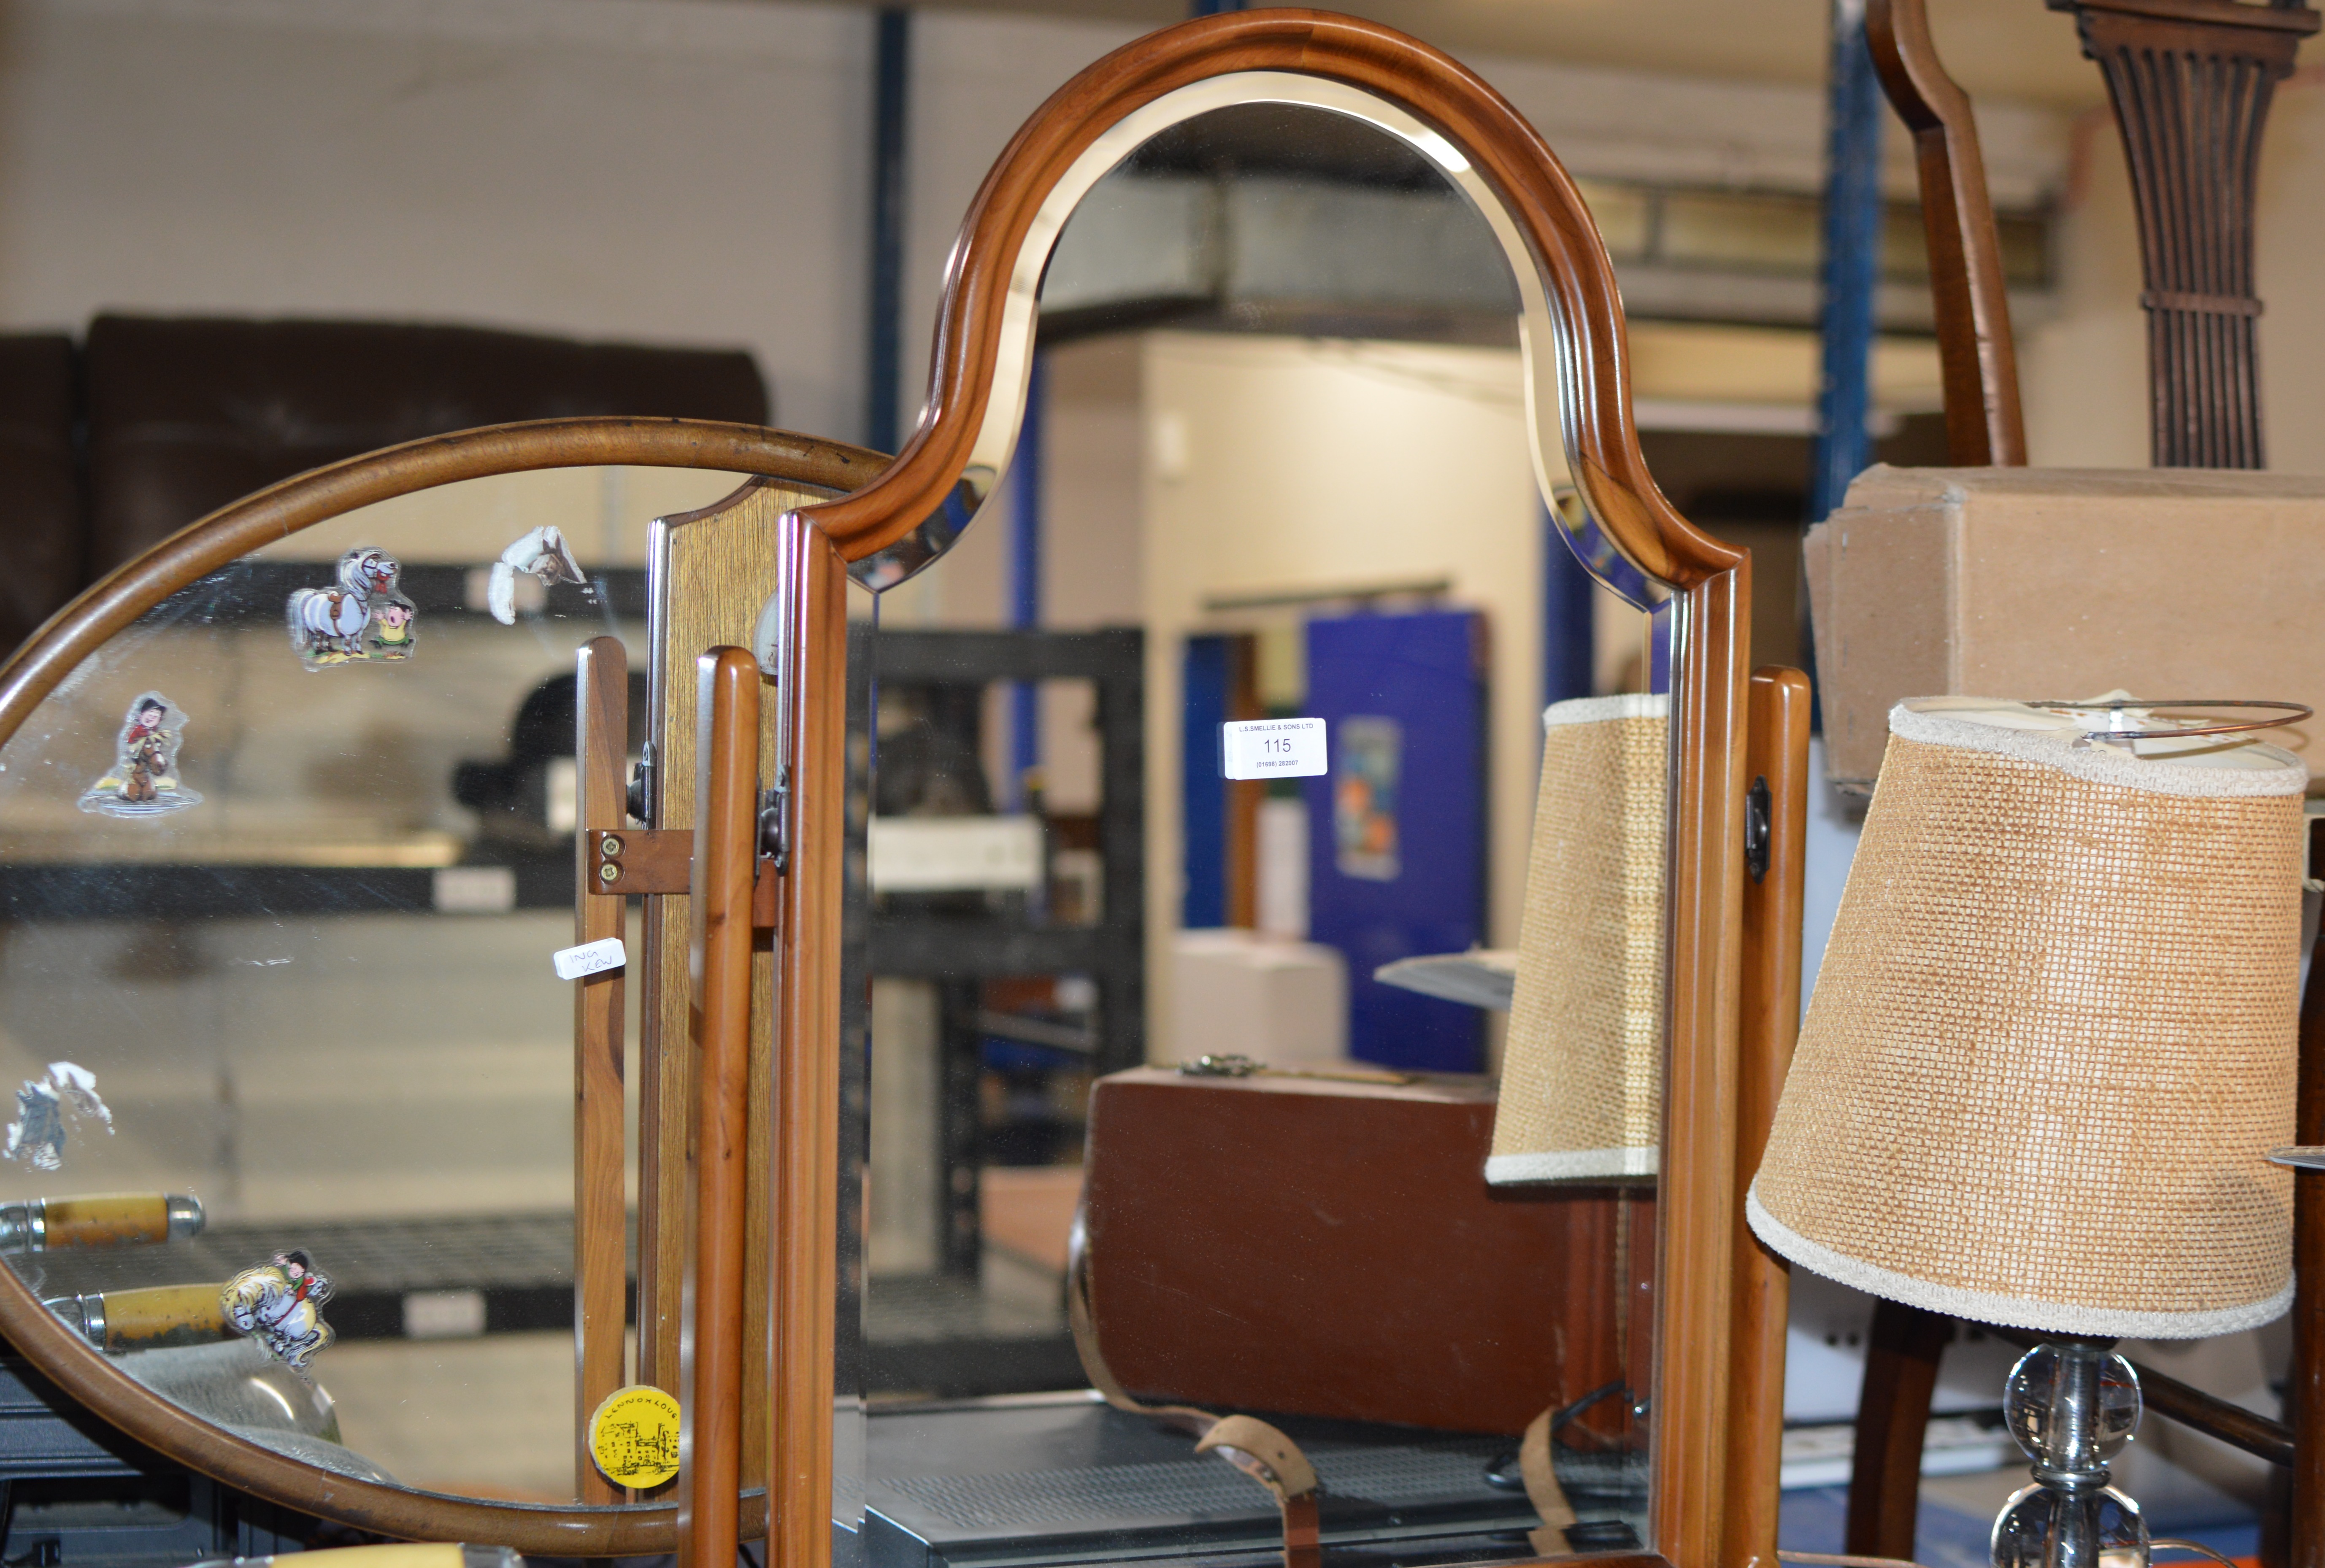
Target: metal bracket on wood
(640, 860)
(626, 860)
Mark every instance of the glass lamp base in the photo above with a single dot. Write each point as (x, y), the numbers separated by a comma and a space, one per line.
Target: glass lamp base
(2043, 1527)
(2071, 1405)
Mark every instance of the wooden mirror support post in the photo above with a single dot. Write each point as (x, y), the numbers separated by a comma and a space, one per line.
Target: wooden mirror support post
(719, 951)
(1775, 862)
(2191, 81)
(800, 642)
(743, 1133)
(601, 705)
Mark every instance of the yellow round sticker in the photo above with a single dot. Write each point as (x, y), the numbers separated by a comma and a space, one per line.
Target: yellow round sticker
(634, 1436)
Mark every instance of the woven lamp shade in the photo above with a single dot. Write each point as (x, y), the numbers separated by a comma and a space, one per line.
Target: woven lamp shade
(1581, 1095)
(2053, 1038)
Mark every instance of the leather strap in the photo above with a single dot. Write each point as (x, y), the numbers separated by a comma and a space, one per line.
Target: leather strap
(1273, 1460)
(1542, 1488)
(1260, 1451)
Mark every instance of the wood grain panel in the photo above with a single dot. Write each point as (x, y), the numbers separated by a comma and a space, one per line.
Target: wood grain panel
(713, 571)
(601, 1218)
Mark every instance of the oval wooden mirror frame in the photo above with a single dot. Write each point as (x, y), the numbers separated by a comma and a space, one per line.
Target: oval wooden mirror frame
(79, 630)
(1573, 345)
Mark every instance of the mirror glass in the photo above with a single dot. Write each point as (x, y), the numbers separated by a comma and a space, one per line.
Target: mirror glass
(1237, 1001)
(275, 974)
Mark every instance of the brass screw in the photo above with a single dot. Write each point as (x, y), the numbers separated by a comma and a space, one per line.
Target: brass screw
(609, 874)
(610, 845)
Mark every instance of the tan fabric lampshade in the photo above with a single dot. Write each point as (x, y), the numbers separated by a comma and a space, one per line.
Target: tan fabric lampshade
(2052, 1039)
(1581, 1095)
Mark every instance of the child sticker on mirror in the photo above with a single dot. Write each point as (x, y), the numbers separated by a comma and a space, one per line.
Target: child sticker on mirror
(362, 620)
(144, 780)
(279, 1304)
(37, 1136)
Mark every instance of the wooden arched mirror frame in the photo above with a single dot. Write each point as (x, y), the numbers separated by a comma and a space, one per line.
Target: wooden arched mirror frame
(1713, 1462)
(1578, 387)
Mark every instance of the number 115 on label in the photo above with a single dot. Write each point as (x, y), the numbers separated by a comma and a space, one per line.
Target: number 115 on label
(1273, 748)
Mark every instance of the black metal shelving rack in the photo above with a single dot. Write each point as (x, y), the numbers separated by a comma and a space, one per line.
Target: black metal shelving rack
(252, 593)
(959, 951)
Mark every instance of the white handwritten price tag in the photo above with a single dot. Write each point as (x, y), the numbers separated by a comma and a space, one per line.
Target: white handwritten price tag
(590, 958)
(1275, 748)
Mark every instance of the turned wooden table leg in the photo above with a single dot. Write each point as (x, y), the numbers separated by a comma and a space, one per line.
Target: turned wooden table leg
(1893, 1417)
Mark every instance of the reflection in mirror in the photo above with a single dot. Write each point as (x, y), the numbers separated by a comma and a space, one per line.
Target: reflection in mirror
(1148, 1123)
(283, 865)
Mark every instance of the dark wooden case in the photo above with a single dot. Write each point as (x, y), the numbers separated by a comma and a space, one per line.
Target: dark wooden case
(1316, 1248)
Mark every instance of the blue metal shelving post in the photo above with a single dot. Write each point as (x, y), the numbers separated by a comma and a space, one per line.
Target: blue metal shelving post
(1852, 260)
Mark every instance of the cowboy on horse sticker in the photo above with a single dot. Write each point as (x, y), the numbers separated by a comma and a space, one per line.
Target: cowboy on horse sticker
(279, 1305)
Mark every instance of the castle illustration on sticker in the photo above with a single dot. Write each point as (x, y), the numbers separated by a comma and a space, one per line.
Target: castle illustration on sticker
(143, 780)
(363, 619)
(279, 1304)
(634, 1436)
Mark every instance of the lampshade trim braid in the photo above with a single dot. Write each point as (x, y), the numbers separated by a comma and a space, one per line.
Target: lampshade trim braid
(1566, 1165)
(2007, 1311)
(1597, 710)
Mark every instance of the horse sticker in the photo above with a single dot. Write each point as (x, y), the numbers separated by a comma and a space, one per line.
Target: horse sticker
(279, 1304)
(363, 619)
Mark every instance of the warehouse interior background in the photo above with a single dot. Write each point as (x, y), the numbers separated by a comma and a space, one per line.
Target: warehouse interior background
(701, 173)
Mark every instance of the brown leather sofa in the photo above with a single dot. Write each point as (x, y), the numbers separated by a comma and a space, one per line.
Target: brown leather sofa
(113, 444)
(43, 549)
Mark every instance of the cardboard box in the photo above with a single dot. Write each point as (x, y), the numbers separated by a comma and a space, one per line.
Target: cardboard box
(2064, 583)
(1237, 992)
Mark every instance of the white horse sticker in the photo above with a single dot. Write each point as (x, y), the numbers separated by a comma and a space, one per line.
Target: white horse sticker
(361, 619)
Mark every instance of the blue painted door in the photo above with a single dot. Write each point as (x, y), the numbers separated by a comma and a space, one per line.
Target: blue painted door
(1203, 838)
(1397, 827)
